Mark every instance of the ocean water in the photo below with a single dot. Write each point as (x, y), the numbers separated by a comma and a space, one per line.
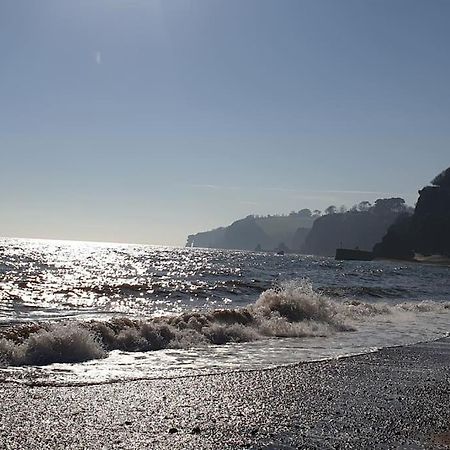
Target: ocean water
(80, 313)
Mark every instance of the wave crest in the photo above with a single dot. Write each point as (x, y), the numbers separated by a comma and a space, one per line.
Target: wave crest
(62, 343)
(293, 309)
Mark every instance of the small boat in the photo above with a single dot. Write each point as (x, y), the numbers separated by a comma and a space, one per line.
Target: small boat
(280, 252)
(347, 254)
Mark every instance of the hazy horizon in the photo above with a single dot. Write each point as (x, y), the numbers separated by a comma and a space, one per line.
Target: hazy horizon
(146, 121)
(177, 244)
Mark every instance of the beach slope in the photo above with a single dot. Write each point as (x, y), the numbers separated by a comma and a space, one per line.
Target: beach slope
(394, 398)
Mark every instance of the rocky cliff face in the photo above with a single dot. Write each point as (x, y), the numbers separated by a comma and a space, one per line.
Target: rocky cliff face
(206, 239)
(299, 239)
(349, 230)
(397, 242)
(244, 234)
(264, 233)
(362, 229)
(428, 231)
(431, 221)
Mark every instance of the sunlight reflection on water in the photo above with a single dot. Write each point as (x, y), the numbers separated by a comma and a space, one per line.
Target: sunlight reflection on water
(53, 280)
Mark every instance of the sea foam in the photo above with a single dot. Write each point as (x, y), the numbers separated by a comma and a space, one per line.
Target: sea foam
(292, 309)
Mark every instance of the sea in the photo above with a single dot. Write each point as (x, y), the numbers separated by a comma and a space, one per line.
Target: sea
(76, 313)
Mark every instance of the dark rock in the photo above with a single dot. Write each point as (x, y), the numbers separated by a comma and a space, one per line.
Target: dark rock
(360, 229)
(299, 238)
(427, 232)
(257, 233)
(397, 243)
(431, 221)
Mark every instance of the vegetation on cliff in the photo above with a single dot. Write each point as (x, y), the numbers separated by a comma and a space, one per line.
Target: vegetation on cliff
(265, 233)
(361, 227)
(427, 231)
(308, 232)
(389, 227)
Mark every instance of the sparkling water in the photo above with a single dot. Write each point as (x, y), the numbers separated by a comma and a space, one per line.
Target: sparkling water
(78, 312)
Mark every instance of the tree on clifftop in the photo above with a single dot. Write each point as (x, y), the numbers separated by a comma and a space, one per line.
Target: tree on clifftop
(443, 179)
(427, 231)
(389, 205)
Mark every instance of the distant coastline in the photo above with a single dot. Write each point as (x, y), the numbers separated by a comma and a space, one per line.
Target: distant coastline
(389, 228)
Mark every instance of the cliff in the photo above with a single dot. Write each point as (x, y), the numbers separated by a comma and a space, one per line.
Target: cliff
(362, 229)
(265, 233)
(428, 230)
(243, 234)
(299, 238)
(207, 239)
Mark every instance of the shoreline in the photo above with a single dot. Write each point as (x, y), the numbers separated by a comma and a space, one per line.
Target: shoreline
(29, 382)
(394, 397)
(428, 261)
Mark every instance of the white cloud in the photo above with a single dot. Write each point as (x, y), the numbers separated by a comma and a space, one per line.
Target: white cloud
(295, 191)
(98, 57)
(216, 187)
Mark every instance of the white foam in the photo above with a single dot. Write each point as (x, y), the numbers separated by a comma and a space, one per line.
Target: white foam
(293, 310)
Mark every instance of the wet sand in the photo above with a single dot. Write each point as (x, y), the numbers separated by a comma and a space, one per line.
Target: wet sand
(395, 398)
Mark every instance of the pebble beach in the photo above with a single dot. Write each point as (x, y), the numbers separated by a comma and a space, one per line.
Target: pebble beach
(394, 398)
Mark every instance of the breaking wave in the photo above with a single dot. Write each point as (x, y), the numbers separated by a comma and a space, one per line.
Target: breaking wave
(293, 309)
(365, 292)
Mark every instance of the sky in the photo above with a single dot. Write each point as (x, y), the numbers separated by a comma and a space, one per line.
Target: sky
(147, 120)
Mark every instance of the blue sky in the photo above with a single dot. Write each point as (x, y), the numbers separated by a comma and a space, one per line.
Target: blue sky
(147, 120)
